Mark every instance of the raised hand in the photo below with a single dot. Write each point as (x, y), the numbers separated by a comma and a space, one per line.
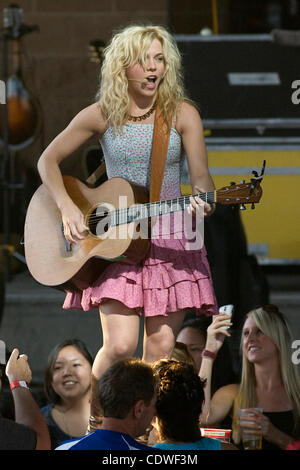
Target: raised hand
(216, 332)
(17, 367)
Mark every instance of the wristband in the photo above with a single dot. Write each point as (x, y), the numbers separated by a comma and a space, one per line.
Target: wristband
(18, 383)
(210, 354)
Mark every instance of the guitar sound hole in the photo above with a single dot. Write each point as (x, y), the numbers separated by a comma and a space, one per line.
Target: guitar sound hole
(99, 221)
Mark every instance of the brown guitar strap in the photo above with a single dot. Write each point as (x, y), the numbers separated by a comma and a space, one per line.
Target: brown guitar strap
(93, 178)
(161, 135)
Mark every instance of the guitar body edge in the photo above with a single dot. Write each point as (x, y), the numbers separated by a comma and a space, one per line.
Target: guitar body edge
(47, 257)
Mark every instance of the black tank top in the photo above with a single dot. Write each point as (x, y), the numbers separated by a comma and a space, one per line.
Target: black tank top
(284, 421)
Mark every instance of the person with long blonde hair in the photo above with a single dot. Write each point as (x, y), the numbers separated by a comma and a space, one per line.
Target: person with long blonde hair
(269, 379)
(125, 47)
(141, 74)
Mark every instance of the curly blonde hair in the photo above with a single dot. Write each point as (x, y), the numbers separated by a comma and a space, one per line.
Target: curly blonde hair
(128, 47)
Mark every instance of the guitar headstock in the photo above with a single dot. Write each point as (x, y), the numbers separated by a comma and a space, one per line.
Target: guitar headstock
(12, 21)
(96, 49)
(13, 25)
(243, 193)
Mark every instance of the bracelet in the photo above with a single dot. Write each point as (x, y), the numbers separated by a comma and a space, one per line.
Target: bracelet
(18, 383)
(210, 354)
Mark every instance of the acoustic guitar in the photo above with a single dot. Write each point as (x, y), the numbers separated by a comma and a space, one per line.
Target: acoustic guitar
(114, 213)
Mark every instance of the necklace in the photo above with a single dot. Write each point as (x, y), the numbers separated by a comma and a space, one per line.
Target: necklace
(143, 117)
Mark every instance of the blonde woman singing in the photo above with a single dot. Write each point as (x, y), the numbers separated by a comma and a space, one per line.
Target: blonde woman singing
(269, 379)
(141, 71)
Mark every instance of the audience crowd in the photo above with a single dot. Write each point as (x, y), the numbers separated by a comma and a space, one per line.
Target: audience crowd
(167, 404)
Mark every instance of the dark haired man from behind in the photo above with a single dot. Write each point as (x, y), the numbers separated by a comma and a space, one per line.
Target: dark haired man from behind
(127, 396)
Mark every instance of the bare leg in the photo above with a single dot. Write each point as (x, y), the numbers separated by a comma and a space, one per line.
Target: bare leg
(160, 335)
(120, 327)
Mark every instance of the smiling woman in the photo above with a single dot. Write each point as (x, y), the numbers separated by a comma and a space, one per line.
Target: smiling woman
(269, 379)
(67, 388)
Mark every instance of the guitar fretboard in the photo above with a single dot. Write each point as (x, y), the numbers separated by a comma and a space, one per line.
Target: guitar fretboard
(152, 209)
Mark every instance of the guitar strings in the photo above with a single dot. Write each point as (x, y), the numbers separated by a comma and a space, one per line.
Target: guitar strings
(181, 199)
(166, 203)
(123, 212)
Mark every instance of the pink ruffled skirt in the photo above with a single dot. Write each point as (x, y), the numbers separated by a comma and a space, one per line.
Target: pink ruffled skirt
(171, 278)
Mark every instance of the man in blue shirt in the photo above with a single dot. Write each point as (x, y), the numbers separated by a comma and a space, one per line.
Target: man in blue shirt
(127, 395)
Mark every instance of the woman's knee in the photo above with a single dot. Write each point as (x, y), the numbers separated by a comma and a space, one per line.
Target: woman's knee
(120, 328)
(161, 335)
(117, 350)
(159, 345)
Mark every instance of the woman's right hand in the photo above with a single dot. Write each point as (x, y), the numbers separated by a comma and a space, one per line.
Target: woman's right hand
(216, 332)
(74, 225)
(17, 367)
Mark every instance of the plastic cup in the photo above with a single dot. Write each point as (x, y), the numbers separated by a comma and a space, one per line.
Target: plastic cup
(251, 436)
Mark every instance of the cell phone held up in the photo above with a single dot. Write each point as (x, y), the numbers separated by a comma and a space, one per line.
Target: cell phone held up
(227, 310)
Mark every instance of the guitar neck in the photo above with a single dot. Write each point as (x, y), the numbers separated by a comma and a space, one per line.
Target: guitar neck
(16, 56)
(152, 209)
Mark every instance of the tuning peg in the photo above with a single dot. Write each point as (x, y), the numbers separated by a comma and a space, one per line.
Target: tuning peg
(252, 205)
(263, 168)
(232, 183)
(242, 207)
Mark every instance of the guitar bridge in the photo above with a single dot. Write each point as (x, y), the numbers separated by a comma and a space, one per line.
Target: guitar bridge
(68, 245)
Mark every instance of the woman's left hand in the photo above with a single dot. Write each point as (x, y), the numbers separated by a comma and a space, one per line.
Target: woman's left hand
(267, 429)
(258, 422)
(272, 434)
(197, 206)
